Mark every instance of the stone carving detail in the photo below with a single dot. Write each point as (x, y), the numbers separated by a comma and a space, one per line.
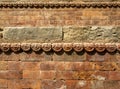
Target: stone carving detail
(67, 47)
(15, 47)
(58, 5)
(100, 47)
(110, 47)
(78, 47)
(57, 47)
(25, 46)
(5, 47)
(46, 47)
(36, 46)
(118, 46)
(103, 34)
(89, 47)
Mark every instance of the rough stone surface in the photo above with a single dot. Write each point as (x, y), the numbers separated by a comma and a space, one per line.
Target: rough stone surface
(27, 34)
(92, 34)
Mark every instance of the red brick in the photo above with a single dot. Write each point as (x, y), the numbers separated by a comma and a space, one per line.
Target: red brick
(114, 75)
(53, 84)
(74, 66)
(13, 74)
(47, 65)
(3, 83)
(107, 66)
(77, 84)
(30, 65)
(24, 84)
(28, 74)
(3, 74)
(3, 65)
(60, 66)
(89, 66)
(66, 75)
(14, 65)
(47, 74)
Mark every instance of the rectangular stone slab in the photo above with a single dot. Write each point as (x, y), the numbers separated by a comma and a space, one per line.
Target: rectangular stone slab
(32, 33)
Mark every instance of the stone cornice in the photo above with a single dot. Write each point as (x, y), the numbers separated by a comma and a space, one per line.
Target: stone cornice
(57, 47)
(60, 5)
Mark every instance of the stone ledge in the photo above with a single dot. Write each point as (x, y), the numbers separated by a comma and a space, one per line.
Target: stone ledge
(57, 47)
(59, 5)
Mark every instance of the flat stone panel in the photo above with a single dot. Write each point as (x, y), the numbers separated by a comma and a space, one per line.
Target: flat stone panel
(32, 33)
(92, 34)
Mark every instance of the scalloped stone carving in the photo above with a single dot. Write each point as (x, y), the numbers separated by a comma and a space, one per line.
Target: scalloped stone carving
(36, 47)
(89, 47)
(67, 47)
(78, 47)
(100, 47)
(46, 47)
(57, 47)
(25, 46)
(110, 47)
(5, 47)
(15, 47)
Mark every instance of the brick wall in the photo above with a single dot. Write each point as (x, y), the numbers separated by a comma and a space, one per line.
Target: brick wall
(60, 45)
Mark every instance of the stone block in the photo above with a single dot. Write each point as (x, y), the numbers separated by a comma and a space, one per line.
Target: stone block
(21, 34)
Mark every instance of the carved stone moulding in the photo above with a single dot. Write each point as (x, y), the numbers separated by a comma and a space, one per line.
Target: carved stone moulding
(59, 5)
(57, 47)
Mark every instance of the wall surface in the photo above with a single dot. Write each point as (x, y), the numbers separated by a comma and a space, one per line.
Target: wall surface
(59, 44)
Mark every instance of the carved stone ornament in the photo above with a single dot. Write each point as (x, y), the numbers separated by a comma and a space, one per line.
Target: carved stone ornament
(89, 47)
(25, 46)
(46, 47)
(15, 47)
(59, 5)
(100, 47)
(67, 47)
(118, 46)
(36, 47)
(57, 47)
(110, 47)
(5, 47)
(78, 47)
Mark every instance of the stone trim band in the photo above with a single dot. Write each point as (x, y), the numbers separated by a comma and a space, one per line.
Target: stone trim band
(57, 47)
(60, 5)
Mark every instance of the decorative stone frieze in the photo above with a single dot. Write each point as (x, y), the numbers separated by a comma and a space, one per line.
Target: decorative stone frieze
(57, 47)
(59, 5)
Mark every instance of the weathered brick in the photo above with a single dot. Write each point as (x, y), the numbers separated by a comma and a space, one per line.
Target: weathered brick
(14, 65)
(30, 65)
(74, 66)
(28, 74)
(47, 65)
(53, 84)
(47, 75)
(3, 65)
(77, 84)
(24, 84)
(3, 83)
(14, 74)
(107, 66)
(114, 75)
